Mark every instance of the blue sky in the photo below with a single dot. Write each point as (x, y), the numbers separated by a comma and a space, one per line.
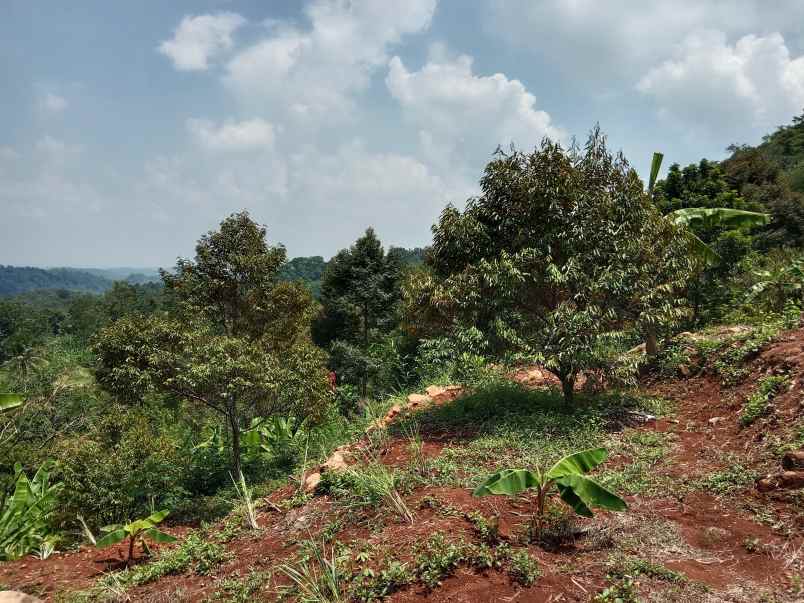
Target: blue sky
(129, 129)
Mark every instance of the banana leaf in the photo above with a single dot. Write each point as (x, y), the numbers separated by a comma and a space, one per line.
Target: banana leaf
(718, 216)
(583, 494)
(578, 463)
(508, 482)
(9, 401)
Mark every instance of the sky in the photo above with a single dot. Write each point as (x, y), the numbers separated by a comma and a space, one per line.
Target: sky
(127, 130)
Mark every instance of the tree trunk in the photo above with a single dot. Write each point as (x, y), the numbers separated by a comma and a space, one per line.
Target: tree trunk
(364, 380)
(131, 541)
(651, 345)
(568, 387)
(234, 427)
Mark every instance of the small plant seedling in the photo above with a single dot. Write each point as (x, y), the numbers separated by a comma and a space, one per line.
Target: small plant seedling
(134, 531)
(568, 475)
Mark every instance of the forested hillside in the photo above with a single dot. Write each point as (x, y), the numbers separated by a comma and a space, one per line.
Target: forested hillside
(15, 280)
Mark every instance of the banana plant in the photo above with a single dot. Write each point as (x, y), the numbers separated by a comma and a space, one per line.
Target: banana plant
(274, 435)
(708, 217)
(134, 531)
(779, 284)
(10, 401)
(25, 514)
(579, 492)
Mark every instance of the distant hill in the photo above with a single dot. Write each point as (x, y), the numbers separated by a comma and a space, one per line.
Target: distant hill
(135, 276)
(15, 280)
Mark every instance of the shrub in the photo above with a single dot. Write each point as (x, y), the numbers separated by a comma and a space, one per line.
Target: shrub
(195, 553)
(372, 486)
(126, 464)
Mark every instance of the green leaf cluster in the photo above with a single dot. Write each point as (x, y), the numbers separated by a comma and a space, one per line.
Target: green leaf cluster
(25, 514)
(578, 491)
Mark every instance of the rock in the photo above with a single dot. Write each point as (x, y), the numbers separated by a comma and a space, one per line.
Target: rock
(418, 400)
(335, 462)
(311, 482)
(786, 480)
(298, 520)
(13, 596)
(793, 459)
(715, 420)
(684, 334)
(440, 394)
(639, 349)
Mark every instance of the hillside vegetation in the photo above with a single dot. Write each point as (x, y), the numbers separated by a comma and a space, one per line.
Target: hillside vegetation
(588, 388)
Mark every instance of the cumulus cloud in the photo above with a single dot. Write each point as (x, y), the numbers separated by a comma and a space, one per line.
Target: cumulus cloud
(313, 73)
(334, 194)
(615, 40)
(458, 111)
(712, 84)
(199, 39)
(53, 103)
(232, 136)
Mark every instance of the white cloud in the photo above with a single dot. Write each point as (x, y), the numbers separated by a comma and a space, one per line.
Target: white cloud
(198, 39)
(316, 201)
(614, 40)
(460, 112)
(232, 136)
(313, 73)
(712, 84)
(53, 103)
(8, 154)
(56, 149)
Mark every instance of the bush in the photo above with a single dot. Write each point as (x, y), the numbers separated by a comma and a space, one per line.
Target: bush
(128, 463)
(459, 358)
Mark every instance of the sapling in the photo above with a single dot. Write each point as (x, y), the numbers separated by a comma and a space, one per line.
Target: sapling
(134, 531)
(567, 475)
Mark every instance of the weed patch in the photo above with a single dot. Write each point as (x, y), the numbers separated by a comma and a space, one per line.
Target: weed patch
(733, 478)
(757, 403)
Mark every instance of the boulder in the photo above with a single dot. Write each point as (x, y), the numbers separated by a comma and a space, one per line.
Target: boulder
(14, 596)
(794, 459)
(639, 349)
(418, 400)
(311, 482)
(335, 462)
(441, 394)
(786, 480)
